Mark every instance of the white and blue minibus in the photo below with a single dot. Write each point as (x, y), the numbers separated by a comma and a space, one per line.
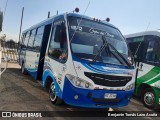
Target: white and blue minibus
(83, 61)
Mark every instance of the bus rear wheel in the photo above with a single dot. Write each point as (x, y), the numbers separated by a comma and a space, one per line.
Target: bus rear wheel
(149, 98)
(52, 95)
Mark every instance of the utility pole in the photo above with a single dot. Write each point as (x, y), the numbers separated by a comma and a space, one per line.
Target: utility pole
(1, 20)
(21, 24)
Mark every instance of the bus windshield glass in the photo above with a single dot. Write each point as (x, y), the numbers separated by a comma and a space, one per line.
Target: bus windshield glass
(86, 41)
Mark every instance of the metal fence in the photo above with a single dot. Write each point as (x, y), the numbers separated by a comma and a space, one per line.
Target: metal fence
(9, 49)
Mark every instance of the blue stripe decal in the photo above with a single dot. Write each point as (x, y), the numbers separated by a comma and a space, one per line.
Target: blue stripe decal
(95, 69)
(99, 63)
(99, 67)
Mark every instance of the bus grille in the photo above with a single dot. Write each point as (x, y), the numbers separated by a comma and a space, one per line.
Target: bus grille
(108, 80)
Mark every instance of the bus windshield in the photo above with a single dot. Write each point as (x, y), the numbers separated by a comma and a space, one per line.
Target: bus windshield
(86, 41)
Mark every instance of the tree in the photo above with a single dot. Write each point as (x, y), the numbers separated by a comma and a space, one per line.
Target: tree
(3, 38)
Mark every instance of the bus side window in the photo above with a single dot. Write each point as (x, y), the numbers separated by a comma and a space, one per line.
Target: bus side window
(58, 43)
(138, 48)
(38, 39)
(157, 51)
(153, 52)
(31, 39)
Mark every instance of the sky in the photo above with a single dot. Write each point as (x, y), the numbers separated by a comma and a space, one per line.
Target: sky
(130, 16)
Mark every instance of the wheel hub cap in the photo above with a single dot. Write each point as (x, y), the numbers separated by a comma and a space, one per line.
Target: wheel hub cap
(52, 92)
(149, 98)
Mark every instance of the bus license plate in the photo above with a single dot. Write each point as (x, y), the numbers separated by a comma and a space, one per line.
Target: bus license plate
(110, 96)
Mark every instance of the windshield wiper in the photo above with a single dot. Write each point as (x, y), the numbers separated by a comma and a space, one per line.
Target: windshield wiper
(118, 53)
(101, 49)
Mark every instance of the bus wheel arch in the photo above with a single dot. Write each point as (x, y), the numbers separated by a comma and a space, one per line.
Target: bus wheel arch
(50, 84)
(147, 95)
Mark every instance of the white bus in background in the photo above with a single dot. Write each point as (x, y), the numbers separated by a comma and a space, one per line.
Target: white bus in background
(145, 46)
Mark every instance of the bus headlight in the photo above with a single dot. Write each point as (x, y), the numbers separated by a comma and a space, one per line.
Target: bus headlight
(130, 87)
(78, 82)
(87, 85)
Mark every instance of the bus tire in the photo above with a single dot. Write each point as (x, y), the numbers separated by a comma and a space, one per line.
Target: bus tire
(52, 95)
(149, 98)
(23, 70)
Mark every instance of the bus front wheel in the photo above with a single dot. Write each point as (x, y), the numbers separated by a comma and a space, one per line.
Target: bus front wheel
(52, 95)
(149, 98)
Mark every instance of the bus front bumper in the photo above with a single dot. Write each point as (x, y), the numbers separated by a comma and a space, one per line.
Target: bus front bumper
(94, 98)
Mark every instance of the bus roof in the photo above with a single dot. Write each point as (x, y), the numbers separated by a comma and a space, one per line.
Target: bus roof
(49, 20)
(90, 18)
(154, 32)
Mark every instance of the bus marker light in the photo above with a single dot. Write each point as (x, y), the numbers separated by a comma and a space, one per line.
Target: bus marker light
(76, 97)
(77, 10)
(78, 83)
(87, 85)
(108, 19)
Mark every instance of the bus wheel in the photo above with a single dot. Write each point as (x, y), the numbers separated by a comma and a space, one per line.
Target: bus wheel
(149, 98)
(23, 69)
(52, 95)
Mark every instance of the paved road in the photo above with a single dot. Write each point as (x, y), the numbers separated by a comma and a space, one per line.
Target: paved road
(22, 93)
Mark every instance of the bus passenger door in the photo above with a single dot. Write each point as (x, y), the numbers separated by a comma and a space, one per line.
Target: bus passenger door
(57, 51)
